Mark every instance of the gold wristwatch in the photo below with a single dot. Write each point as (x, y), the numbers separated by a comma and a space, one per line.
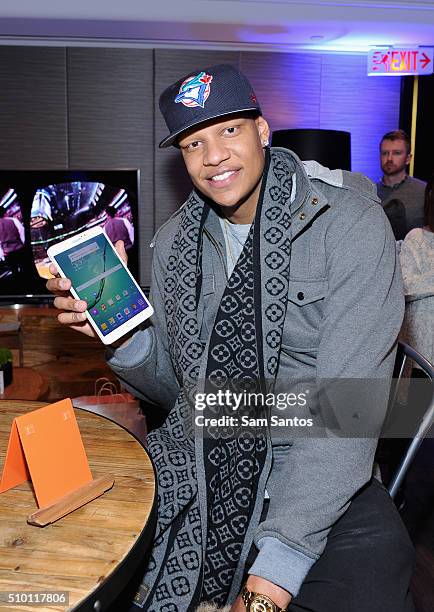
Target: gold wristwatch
(256, 602)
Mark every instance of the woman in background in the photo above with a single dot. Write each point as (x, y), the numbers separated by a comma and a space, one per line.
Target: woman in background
(417, 263)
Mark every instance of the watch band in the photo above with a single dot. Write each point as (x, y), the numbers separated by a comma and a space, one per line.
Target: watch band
(264, 602)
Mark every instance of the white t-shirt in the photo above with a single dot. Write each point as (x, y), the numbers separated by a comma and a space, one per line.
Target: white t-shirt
(235, 237)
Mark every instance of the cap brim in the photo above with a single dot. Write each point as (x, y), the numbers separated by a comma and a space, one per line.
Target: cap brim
(170, 140)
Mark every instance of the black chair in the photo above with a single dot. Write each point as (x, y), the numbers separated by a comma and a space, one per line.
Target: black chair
(404, 353)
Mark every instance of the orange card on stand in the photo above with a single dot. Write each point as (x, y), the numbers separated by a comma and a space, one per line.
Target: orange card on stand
(46, 445)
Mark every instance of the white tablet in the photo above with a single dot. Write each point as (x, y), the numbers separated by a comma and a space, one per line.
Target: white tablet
(115, 302)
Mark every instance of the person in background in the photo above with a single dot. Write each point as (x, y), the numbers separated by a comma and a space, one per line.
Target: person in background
(118, 228)
(417, 264)
(11, 241)
(401, 195)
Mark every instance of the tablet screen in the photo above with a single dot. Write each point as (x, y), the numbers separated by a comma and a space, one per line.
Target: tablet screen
(98, 277)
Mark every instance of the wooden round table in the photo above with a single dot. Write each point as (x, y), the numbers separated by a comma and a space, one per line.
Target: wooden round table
(27, 384)
(92, 552)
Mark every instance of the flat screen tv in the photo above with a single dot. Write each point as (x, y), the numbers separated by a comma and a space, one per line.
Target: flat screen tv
(41, 207)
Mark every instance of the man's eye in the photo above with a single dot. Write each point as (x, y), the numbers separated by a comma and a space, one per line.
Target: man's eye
(231, 130)
(192, 145)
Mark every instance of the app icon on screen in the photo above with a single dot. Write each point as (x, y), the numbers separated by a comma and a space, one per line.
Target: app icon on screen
(103, 326)
(134, 306)
(112, 321)
(118, 297)
(103, 307)
(126, 311)
(141, 302)
(125, 292)
(95, 311)
(110, 302)
(119, 315)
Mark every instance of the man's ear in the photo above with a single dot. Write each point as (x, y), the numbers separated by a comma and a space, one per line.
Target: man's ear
(408, 160)
(263, 129)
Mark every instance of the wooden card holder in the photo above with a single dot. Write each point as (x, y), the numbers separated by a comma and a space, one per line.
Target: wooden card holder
(72, 501)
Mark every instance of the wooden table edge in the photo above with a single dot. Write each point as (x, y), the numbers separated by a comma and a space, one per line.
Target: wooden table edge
(114, 583)
(105, 594)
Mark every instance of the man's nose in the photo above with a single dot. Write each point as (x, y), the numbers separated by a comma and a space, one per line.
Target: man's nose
(215, 153)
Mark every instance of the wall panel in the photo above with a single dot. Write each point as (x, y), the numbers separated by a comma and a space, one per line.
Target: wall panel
(367, 107)
(110, 116)
(287, 86)
(32, 108)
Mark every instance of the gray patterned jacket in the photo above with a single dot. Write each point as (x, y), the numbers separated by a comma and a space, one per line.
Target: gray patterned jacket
(344, 313)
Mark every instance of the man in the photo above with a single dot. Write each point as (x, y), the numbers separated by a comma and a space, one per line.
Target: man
(11, 242)
(269, 275)
(119, 228)
(402, 196)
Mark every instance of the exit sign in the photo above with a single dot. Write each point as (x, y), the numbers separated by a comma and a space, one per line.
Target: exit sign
(389, 61)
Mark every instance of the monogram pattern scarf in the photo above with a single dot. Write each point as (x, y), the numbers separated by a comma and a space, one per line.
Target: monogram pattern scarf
(211, 479)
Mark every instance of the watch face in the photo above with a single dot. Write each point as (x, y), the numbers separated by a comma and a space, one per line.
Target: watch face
(260, 603)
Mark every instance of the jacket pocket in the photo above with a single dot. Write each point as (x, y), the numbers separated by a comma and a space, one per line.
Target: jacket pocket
(306, 291)
(304, 314)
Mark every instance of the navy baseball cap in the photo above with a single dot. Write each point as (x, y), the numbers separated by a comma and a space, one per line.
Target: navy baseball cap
(203, 95)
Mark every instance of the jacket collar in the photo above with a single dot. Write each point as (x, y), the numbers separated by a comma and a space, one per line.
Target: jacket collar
(309, 200)
(396, 185)
(307, 203)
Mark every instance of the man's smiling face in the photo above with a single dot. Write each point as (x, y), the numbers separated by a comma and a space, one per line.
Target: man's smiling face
(225, 161)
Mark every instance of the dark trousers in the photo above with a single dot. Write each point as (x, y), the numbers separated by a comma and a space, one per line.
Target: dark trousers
(367, 563)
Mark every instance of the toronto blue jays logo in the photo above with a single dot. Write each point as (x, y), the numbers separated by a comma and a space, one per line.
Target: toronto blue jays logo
(195, 90)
